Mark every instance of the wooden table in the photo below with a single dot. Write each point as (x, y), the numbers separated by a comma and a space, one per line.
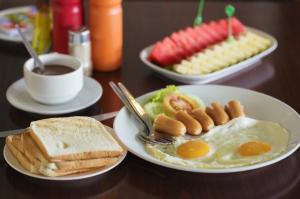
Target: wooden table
(145, 22)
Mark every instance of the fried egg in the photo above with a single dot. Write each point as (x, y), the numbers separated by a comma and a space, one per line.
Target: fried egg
(242, 141)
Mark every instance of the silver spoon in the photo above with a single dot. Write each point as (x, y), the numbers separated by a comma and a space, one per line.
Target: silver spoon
(37, 62)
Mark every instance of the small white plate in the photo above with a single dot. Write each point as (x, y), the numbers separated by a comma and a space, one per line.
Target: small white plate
(257, 105)
(15, 37)
(18, 97)
(13, 162)
(203, 79)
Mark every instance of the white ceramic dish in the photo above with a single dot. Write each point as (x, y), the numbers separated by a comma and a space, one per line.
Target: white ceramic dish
(54, 89)
(13, 162)
(203, 79)
(15, 37)
(18, 97)
(257, 105)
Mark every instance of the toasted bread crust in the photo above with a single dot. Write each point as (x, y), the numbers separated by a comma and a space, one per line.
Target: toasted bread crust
(29, 149)
(20, 157)
(84, 164)
(67, 168)
(28, 154)
(79, 155)
(85, 156)
(57, 173)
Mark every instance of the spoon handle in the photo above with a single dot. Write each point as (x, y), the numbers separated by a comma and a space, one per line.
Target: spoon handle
(30, 50)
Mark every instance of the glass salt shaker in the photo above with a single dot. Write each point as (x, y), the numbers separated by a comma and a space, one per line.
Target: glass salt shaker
(80, 47)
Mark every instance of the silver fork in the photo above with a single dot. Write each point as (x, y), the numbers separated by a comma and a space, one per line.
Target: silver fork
(158, 137)
(134, 107)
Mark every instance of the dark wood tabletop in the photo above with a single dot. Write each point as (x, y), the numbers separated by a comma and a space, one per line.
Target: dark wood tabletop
(145, 22)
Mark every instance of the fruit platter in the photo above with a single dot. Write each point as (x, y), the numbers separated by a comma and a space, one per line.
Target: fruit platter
(202, 54)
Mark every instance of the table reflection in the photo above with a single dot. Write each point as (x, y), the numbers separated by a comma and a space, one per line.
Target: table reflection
(103, 186)
(269, 182)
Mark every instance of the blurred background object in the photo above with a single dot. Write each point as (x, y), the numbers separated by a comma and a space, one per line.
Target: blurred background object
(67, 15)
(80, 47)
(106, 25)
(41, 40)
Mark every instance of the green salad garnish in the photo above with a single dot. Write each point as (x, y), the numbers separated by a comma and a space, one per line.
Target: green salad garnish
(154, 106)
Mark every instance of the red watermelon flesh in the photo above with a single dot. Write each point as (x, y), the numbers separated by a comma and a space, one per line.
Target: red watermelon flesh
(237, 26)
(181, 42)
(163, 54)
(178, 51)
(184, 43)
(189, 40)
(204, 35)
(222, 31)
(201, 42)
(211, 32)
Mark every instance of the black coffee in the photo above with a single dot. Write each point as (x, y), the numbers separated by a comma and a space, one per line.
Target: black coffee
(53, 70)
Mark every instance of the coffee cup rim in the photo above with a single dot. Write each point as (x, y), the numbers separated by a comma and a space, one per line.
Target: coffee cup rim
(28, 65)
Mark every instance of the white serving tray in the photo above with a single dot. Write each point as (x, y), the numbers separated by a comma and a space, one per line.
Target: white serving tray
(203, 79)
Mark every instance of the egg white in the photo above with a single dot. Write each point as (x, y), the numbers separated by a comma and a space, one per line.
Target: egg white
(224, 141)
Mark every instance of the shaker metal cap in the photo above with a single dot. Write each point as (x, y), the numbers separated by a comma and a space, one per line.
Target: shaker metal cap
(79, 36)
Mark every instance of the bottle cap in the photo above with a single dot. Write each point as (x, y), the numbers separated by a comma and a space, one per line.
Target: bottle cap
(79, 36)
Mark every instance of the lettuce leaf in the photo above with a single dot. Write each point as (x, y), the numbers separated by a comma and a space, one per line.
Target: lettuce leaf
(154, 106)
(153, 109)
(159, 96)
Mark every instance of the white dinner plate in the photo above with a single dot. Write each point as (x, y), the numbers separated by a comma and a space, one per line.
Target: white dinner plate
(13, 162)
(18, 97)
(203, 79)
(15, 37)
(257, 105)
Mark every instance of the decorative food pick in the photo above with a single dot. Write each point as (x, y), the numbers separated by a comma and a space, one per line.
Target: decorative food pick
(198, 19)
(229, 10)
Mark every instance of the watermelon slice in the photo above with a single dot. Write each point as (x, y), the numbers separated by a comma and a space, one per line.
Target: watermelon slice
(188, 39)
(178, 51)
(163, 54)
(205, 35)
(220, 30)
(184, 43)
(181, 42)
(217, 37)
(201, 42)
(237, 26)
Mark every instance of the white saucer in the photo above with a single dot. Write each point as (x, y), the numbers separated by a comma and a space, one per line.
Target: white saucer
(18, 97)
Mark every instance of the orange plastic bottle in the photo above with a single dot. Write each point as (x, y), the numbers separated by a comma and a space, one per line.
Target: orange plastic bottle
(106, 26)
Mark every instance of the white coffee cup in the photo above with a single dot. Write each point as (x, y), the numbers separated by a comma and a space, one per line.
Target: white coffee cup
(54, 89)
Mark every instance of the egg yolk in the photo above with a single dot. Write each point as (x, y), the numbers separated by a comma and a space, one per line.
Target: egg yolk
(193, 149)
(254, 148)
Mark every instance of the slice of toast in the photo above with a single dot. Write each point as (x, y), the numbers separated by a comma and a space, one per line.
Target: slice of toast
(34, 166)
(74, 138)
(19, 155)
(32, 151)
